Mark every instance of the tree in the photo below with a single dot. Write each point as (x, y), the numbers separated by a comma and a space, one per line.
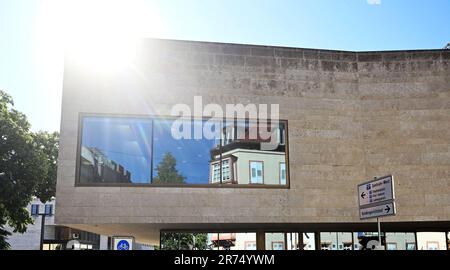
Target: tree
(24, 169)
(167, 172)
(184, 241)
(49, 144)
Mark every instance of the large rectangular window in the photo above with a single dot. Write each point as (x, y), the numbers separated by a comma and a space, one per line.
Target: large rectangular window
(172, 152)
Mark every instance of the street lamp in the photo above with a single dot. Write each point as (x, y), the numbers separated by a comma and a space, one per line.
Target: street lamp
(43, 216)
(2, 174)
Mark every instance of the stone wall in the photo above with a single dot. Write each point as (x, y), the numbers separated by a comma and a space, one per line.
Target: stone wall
(351, 116)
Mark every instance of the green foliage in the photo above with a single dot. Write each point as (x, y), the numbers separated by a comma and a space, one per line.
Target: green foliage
(167, 172)
(48, 143)
(25, 168)
(184, 241)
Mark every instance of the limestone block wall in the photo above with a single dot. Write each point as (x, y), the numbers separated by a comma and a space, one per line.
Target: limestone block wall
(351, 116)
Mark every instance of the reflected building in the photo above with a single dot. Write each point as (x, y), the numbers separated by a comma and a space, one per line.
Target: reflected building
(247, 158)
(95, 165)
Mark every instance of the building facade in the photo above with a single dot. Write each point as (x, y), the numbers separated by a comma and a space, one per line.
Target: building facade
(344, 117)
(54, 237)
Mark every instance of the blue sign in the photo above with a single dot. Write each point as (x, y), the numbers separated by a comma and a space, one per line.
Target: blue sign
(123, 245)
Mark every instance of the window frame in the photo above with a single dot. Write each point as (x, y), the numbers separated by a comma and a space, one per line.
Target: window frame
(50, 208)
(36, 207)
(410, 243)
(230, 168)
(77, 183)
(393, 244)
(278, 243)
(280, 172)
(427, 244)
(250, 172)
(246, 243)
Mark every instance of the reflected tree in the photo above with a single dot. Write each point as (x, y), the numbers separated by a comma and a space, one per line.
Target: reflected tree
(167, 172)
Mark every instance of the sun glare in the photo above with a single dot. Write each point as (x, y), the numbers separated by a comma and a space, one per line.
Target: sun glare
(101, 33)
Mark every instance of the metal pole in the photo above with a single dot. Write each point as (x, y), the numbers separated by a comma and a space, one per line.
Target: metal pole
(447, 234)
(300, 241)
(379, 231)
(221, 140)
(317, 240)
(41, 246)
(353, 240)
(378, 223)
(337, 241)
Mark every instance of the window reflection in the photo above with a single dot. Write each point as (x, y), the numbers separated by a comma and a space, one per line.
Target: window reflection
(227, 172)
(367, 240)
(275, 241)
(400, 241)
(232, 241)
(431, 241)
(181, 160)
(309, 241)
(254, 153)
(115, 150)
(146, 151)
(336, 241)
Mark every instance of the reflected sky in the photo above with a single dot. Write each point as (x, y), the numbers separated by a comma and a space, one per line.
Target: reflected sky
(127, 141)
(192, 156)
(124, 141)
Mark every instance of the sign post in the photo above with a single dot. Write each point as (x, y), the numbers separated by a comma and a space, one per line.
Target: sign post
(376, 199)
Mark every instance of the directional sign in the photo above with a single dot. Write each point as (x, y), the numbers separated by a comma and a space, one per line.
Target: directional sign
(377, 191)
(386, 209)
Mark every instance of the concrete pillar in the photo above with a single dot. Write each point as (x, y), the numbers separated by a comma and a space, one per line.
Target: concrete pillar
(300, 241)
(103, 242)
(317, 240)
(260, 240)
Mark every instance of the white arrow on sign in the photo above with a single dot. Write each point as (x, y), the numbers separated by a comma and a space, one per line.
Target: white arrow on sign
(376, 191)
(386, 209)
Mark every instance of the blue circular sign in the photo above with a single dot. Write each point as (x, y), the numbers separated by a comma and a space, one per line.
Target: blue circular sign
(123, 245)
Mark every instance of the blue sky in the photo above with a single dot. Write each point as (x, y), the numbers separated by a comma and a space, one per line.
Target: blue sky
(32, 33)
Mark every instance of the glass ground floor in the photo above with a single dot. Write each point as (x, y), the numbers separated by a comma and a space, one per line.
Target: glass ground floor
(313, 240)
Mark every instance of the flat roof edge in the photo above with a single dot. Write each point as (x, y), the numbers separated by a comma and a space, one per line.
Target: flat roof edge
(292, 48)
